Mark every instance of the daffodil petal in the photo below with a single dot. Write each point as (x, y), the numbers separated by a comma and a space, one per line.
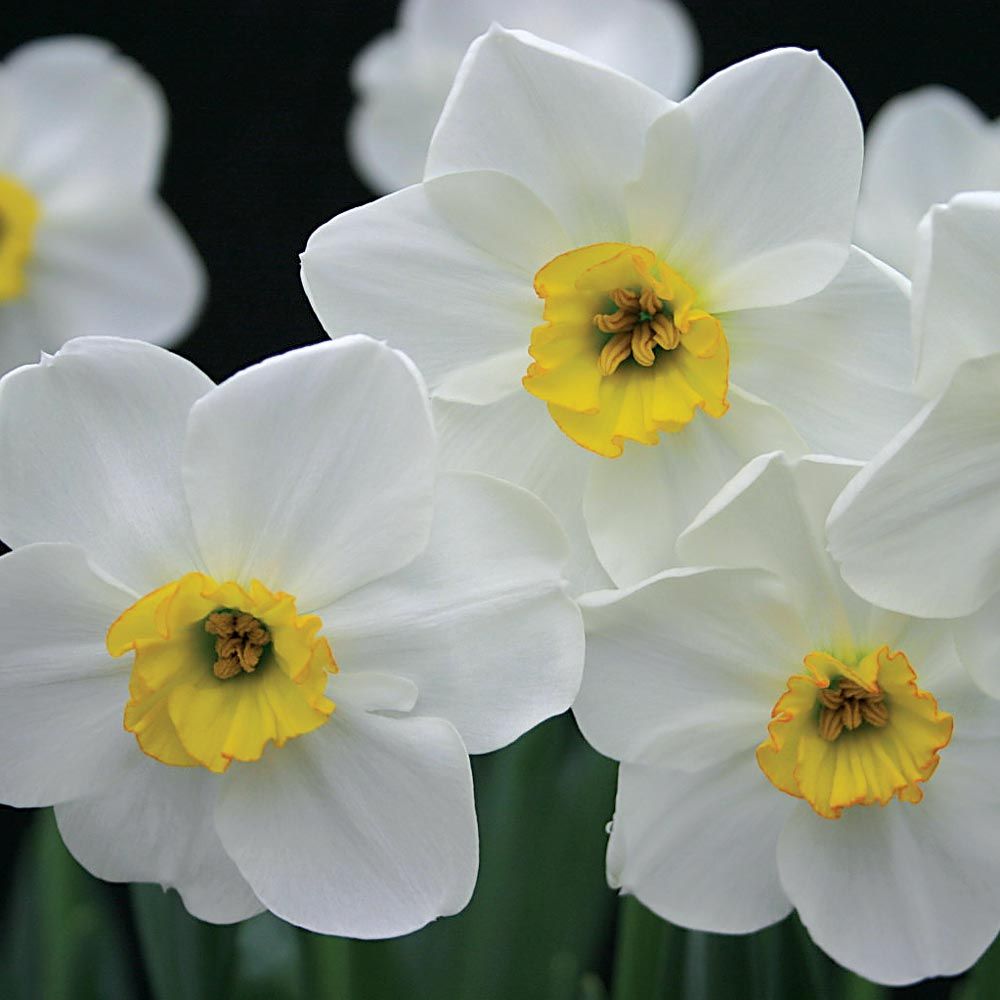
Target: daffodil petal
(102, 410)
(157, 826)
(365, 827)
(479, 621)
(350, 502)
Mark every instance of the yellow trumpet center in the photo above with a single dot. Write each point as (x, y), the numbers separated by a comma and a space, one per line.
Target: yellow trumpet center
(220, 671)
(19, 214)
(854, 734)
(624, 352)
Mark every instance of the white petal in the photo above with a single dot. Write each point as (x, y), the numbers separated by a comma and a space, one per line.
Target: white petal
(156, 826)
(955, 295)
(921, 148)
(699, 849)
(440, 298)
(313, 471)
(683, 670)
(771, 515)
(588, 122)
(90, 444)
(978, 639)
(516, 439)
(127, 271)
(918, 529)
(839, 363)
(61, 695)
(902, 892)
(494, 378)
(779, 148)
(636, 506)
(364, 828)
(90, 123)
(480, 620)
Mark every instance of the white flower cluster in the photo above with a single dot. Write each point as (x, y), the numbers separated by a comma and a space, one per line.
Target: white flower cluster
(253, 631)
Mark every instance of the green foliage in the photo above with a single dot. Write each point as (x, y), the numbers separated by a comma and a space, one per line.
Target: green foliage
(542, 925)
(61, 938)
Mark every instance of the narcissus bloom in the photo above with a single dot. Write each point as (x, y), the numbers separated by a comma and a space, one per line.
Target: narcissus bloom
(249, 637)
(403, 77)
(786, 745)
(922, 148)
(86, 246)
(589, 268)
(919, 529)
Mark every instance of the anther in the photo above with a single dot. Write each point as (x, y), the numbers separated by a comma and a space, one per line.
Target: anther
(239, 644)
(849, 705)
(636, 327)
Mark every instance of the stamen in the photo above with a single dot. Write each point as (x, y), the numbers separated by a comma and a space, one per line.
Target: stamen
(637, 326)
(849, 705)
(614, 352)
(239, 644)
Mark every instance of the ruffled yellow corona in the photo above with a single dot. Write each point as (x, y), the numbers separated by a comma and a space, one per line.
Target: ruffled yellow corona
(19, 214)
(623, 353)
(220, 671)
(846, 735)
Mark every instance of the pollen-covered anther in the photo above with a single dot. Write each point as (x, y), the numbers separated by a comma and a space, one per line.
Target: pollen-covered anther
(849, 705)
(239, 644)
(637, 326)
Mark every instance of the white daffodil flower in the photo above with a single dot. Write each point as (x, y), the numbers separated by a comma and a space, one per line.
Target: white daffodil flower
(86, 246)
(402, 78)
(588, 263)
(922, 148)
(303, 629)
(919, 529)
(785, 745)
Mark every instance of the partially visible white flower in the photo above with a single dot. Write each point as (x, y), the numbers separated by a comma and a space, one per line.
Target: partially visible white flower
(922, 148)
(786, 746)
(403, 77)
(919, 529)
(304, 629)
(590, 269)
(86, 246)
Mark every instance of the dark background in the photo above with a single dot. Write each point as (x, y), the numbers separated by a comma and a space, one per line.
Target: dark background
(259, 100)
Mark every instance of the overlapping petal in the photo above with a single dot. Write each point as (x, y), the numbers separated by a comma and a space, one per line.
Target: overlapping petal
(635, 529)
(837, 364)
(776, 172)
(514, 440)
(480, 620)
(672, 845)
(157, 826)
(288, 483)
(394, 269)
(593, 121)
(922, 148)
(772, 515)
(918, 529)
(61, 695)
(681, 671)
(365, 828)
(955, 297)
(109, 417)
(902, 892)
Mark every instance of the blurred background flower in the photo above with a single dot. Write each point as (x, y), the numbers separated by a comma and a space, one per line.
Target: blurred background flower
(403, 76)
(86, 246)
